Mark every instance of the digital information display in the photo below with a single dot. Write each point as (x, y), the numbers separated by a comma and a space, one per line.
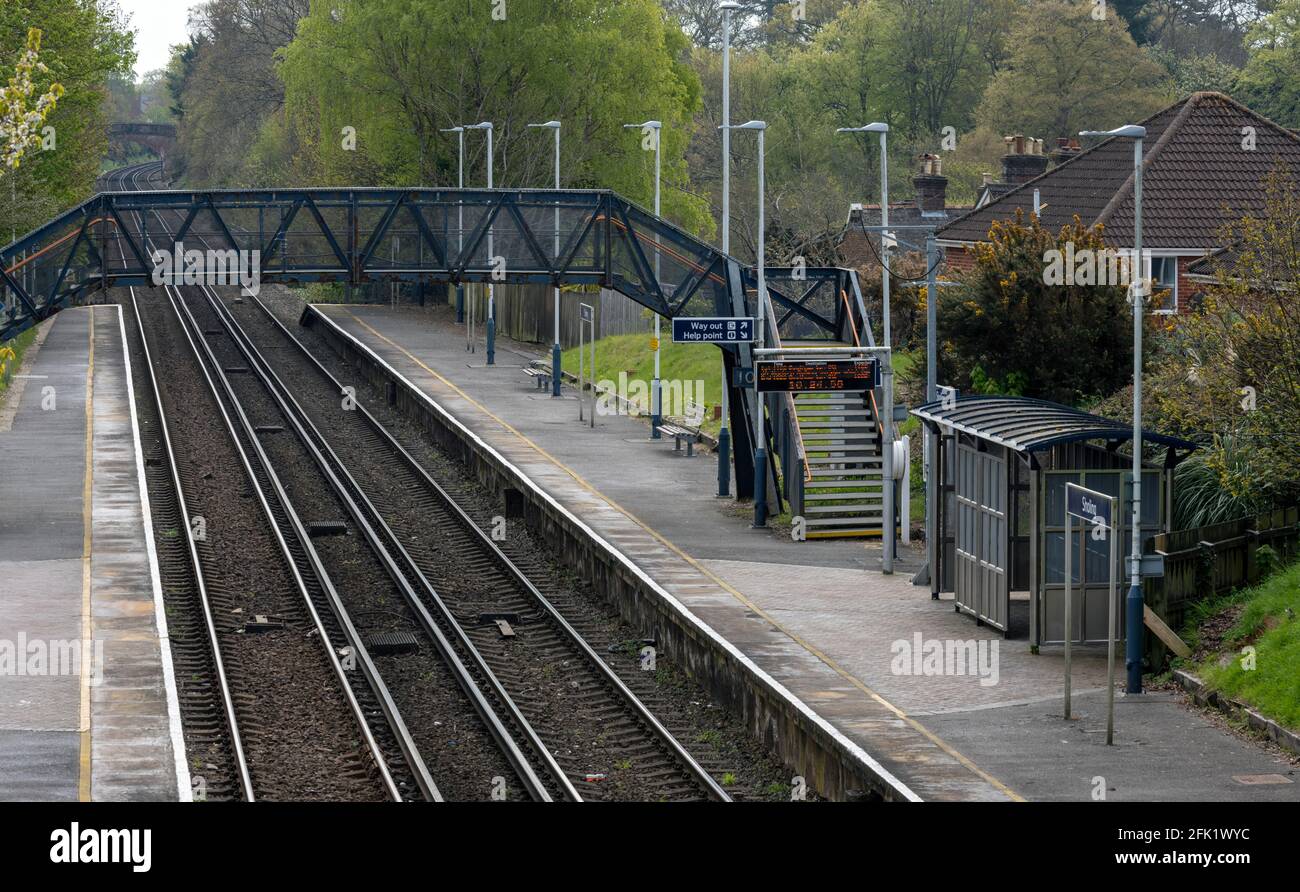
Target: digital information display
(859, 374)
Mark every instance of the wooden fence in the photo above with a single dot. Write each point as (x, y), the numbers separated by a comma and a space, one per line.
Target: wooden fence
(1213, 560)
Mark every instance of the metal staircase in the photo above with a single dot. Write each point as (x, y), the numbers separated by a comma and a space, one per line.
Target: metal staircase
(844, 485)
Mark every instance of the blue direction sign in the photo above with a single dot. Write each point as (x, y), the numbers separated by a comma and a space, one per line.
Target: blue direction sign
(713, 330)
(1087, 505)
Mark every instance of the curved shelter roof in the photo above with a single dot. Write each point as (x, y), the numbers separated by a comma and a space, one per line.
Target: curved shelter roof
(1029, 425)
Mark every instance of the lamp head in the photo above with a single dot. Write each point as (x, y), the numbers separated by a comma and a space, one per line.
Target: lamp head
(874, 127)
(1131, 131)
(484, 125)
(550, 125)
(651, 125)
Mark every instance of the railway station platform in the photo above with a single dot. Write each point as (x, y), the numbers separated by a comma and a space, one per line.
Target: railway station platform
(88, 706)
(816, 623)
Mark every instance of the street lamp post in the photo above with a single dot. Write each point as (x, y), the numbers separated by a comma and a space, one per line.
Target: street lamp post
(492, 309)
(1138, 290)
(724, 435)
(883, 130)
(656, 406)
(460, 217)
(887, 520)
(760, 449)
(555, 347)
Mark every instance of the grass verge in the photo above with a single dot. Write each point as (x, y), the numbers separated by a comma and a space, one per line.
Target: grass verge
(632, 353)
(1264, 618)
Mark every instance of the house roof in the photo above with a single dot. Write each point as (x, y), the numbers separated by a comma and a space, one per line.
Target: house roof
(1028, 425)
(1196, 176)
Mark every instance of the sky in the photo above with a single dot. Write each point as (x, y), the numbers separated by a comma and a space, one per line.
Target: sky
(158, 25)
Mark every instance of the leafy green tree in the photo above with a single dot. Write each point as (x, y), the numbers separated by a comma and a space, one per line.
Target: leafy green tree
(1270, 82)
(1069, 71)
(400, 71)
(1231, 372)
(1007, 330)
(83, 43)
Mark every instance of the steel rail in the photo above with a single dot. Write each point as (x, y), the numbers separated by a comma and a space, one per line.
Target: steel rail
(502, 560)
(223, 683)
(416, 763)
(385, 544)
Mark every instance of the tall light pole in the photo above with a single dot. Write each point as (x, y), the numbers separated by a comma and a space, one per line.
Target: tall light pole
(492, 308)
(656, 415)
(724, 435)
(555, 347)
(883, 130)
(1138, 291)
(760, 449)
(460, 225)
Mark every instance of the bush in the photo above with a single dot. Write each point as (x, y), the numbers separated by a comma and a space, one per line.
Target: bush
(1011, 329)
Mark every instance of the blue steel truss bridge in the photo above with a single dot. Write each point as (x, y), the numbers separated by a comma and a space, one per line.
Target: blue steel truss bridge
(430, 236)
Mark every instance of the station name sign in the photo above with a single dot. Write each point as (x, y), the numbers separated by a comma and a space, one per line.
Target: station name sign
(855, 374)
(1088, 505)
(713, 330)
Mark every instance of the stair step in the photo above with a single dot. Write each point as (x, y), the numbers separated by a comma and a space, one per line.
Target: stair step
(832, 501)
(835, 483)
(857, 508)
(842, 521)
(853, 493)
(840, 436)
(868, 463)
(837, 424)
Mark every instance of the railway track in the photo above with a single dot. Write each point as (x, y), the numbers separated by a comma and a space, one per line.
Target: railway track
(490, 607)
(255, 674)
(566, 722)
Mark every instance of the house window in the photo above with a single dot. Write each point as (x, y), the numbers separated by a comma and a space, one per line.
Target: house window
(1164, 278)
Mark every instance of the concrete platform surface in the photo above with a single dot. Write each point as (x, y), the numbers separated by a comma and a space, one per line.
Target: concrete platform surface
(818, 616)
(88, 707)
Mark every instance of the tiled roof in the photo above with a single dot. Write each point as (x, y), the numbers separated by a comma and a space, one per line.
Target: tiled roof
(1196, 176)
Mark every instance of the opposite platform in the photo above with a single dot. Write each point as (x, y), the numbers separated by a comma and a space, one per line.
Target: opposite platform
(88, 706)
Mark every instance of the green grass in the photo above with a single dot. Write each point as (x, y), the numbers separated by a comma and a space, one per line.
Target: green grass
(19, 346)
(1273, 686)
(631, 353)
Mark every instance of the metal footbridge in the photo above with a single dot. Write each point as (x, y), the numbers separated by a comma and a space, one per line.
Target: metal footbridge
(501, 236)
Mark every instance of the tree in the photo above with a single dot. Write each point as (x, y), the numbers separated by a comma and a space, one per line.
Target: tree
(83, 43)
(400, 71)
(1069, 71)
(1231, 373)
(1270, 82)
(21, 119)
(1009, 329)
(226, 84)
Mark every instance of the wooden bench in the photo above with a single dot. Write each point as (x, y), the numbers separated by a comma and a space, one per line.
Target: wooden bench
(540, 374)
(679, 434)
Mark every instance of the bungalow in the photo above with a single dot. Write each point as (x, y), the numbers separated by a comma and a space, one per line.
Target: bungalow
(1205, 160)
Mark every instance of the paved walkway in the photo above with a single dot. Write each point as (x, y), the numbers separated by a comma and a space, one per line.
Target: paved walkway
(819, 616)
(87, 702)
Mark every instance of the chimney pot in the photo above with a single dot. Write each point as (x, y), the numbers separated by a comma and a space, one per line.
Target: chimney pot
(1024, 159)
(931, 185)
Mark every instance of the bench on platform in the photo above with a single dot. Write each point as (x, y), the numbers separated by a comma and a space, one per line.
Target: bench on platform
(680, 434)
(540, 374)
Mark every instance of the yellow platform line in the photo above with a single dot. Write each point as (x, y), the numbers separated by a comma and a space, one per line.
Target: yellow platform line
(738, 595)
(87, 535)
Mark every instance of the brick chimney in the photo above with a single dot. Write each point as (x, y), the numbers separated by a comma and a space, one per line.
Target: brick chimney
(931, 185)
(1066, 148)
(1024, 159)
